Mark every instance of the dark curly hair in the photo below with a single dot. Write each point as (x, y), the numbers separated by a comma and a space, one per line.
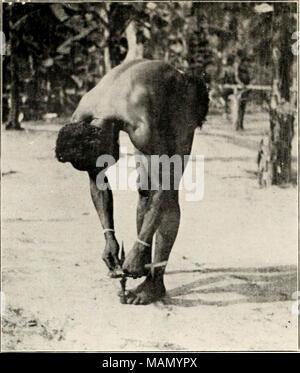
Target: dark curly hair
(80, 144)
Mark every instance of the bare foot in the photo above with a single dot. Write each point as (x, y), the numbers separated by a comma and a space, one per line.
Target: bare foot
(147, 292)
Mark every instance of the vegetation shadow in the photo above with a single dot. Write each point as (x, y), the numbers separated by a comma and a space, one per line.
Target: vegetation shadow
(253, 285)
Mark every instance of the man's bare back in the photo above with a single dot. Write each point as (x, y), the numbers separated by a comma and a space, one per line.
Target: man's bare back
(159, 107)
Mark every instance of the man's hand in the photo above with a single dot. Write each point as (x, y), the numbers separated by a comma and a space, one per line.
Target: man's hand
(110, 254)
(135, 261)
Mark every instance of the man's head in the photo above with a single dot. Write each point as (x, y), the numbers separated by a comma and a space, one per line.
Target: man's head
(80, 144)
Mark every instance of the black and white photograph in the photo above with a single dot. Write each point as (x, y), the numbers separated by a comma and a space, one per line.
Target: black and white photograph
(149, 176)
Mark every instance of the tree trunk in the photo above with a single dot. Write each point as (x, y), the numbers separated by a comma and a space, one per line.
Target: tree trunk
(281, 135)
(241, 96)
(238, 108)
(13, 122)
(277, 156)
(266, 166)
(104, 14)
(135, 49)
(274, 159)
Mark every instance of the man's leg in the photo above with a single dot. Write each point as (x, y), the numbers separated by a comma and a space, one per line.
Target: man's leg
(143, 165)
(166, 236)
(153, 287)
(140, 212)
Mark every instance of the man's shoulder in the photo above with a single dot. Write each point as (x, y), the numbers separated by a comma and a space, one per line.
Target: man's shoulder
(141, 65)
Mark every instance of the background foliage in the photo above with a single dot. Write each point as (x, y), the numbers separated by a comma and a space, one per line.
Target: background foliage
(61, 46)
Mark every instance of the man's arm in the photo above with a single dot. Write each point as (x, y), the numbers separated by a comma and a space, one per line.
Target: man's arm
(136, 258)
(103, 202)
(152, 216)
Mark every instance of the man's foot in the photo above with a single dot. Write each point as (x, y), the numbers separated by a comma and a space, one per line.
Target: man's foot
(147, 292)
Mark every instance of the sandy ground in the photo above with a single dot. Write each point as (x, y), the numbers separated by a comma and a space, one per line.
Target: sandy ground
(230, 277)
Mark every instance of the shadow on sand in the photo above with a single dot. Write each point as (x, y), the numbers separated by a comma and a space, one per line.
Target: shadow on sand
(253, 285)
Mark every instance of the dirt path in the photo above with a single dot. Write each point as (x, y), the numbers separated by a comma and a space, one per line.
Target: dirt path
(230, 277)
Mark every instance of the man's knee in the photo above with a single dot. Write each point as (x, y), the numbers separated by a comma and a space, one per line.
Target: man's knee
(143, 193)
(171, 199)
(168, 229)
(171, 210)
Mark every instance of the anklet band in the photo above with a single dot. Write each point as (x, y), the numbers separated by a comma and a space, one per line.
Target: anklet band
(108, 230)
(155, 265)
(143, 242)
